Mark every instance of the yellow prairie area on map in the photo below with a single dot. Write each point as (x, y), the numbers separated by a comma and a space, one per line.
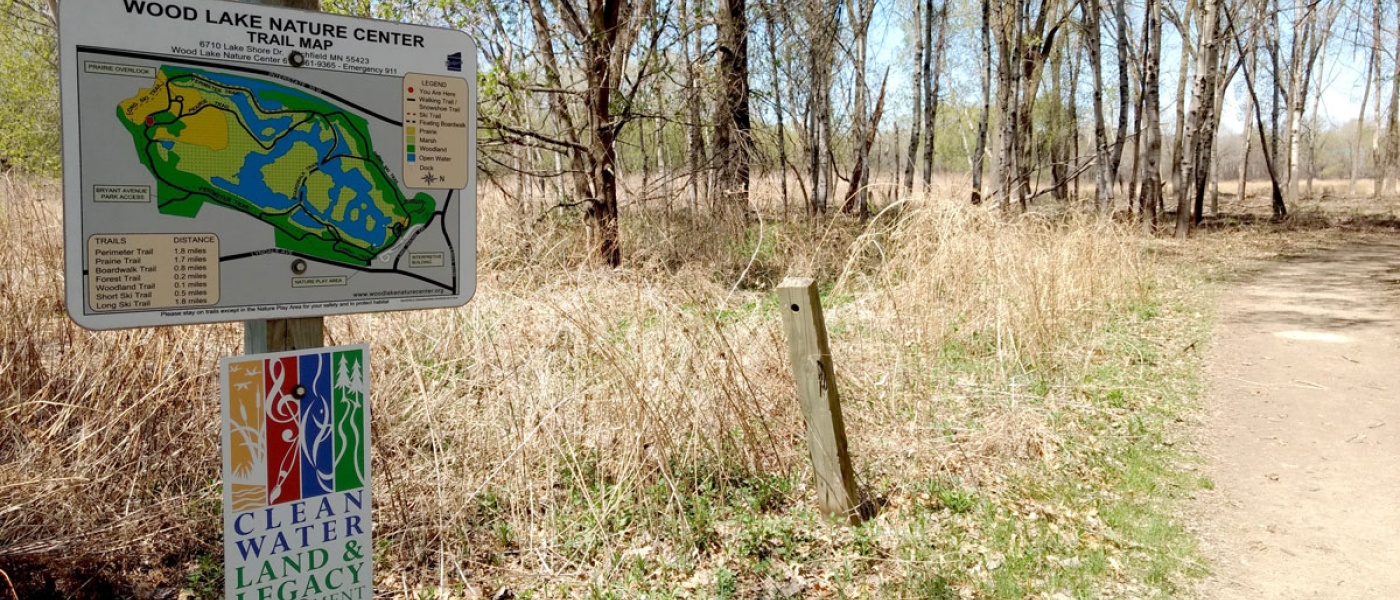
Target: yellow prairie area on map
(148, 101)
(207, 128)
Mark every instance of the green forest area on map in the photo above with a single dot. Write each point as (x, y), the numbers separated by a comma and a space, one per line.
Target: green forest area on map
(289, 159)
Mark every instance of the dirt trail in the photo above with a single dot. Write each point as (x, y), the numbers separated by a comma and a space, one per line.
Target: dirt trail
(1303, 431)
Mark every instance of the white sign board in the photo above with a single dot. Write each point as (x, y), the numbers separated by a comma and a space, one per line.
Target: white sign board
(296, 475)
(226, 161)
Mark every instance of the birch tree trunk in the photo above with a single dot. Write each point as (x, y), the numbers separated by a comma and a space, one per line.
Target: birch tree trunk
(1201, 93)
(1103, 181)
(1248, 136)
(1371, 73)
(1297, 88)
(857, 202)
(1151, 117)
(1392, 148)
(822, 23)
(1120, 16)
(1179, 139)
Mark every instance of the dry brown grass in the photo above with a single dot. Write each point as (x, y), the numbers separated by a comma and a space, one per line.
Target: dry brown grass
(575, 430)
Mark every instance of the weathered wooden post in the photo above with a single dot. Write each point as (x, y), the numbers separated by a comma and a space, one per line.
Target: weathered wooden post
(812, 367)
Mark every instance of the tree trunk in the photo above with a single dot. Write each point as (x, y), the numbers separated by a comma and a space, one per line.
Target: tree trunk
(1297, 90)
(1059, 131)
(1377, 157)
(1274, 145)
(1073, 133)
(857, 201)
(1372, 72)
(778, 106)
(915, 130)
(1120, 17)
(1008, 82)
(577, 157)
(1195, 163)
(1265, 144)
(1025, 38)
(604, 17)
(695, 131)
(1392, 151)
(933, 67)
(982, 122)
(822, 19)
(1151, 117)
(1103, 182)
(1253, 60)
(733, 135)
(1179, 139)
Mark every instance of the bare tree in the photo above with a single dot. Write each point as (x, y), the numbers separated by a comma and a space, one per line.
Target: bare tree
(695, 130)
(822, 17)
(932, 77)
(1372, 72)
(859, 12)
(1103, 180)
(979, 157)
(1196, 152)
(733, 135)
(1266, 143)
(1025, 33)
(769, 20)
(916, 127)
(597, 39)
(1310, 33)
(1391, 154)
(1151, 116)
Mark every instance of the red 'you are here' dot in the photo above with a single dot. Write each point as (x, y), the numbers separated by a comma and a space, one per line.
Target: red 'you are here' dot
(410, 89)
(150, 121)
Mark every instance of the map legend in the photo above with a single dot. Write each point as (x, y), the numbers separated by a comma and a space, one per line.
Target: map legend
(152, 271)
(437, 147)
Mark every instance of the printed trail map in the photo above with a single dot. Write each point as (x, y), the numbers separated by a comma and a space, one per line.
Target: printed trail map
(296, 162)
(234, 162)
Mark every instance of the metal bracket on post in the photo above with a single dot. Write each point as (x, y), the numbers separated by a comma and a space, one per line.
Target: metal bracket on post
(815, 373)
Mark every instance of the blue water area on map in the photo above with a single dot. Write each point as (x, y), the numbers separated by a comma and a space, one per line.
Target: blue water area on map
(353, 179)
(265, 129)
(348, 177)
(301, 217)
(317, 425)
(251, 185)
(167, 144)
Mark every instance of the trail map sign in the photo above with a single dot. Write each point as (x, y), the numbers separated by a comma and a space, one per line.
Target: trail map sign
(296, 475)
(229, 161)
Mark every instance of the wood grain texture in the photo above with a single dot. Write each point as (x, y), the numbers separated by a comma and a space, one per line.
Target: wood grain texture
(812, 367)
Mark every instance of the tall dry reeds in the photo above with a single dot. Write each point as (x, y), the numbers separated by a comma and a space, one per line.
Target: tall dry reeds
(569, 417)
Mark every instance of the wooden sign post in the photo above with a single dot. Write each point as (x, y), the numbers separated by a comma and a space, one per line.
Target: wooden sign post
(810, 354)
